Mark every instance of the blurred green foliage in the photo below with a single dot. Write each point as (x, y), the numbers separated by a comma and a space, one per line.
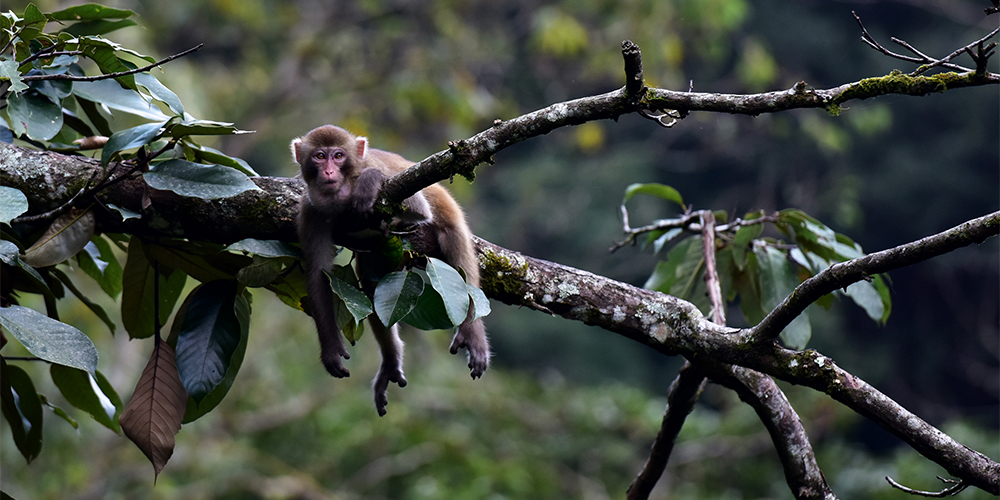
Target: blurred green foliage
(414, 75)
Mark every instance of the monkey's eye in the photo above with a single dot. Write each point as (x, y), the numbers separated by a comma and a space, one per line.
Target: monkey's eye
(319, 155)
(339, 155)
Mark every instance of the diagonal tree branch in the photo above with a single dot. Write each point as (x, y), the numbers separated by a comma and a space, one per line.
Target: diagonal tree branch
(843, 274)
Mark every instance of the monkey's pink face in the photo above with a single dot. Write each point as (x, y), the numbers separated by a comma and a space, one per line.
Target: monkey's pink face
(331, 166)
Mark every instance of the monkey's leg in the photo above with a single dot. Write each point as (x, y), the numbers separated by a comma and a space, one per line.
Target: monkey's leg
(391, 369)
(472, 336)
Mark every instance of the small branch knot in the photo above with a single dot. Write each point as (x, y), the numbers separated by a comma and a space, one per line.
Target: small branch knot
(634, 86)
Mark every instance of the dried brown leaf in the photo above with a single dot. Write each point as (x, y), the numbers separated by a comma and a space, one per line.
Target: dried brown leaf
(154, 413)
(63, 239)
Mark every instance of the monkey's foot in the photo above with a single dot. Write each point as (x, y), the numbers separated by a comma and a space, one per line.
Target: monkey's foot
(386, 374)
(333, 364)
(479, 350)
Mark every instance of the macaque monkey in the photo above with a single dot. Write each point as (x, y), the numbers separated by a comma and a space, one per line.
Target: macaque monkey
(343, 177)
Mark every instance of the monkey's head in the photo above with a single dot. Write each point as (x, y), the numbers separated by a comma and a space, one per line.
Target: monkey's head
(330, 158)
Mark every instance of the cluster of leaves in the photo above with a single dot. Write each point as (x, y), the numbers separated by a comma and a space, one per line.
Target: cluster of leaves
(52, 105)
(758, 271)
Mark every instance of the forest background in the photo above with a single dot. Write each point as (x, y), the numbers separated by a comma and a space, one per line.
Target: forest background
(568, 408)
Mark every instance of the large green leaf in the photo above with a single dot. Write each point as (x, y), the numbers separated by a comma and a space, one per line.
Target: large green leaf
(91, 394)
(867, 297)
(205, 154)
(198, 181)
(98, 260)
(450, 285)
(355, 300)
(396, 295)
(208, 337)
(160, 92)
(49, 339)
(202, 127)
(430, 312)
(13, 203)
(777, 280)
(654, 189)
(212, 399)
(138, 293)
(34, 115)
(131, 138)
(110, 94)
(90, 12)
(22, 409)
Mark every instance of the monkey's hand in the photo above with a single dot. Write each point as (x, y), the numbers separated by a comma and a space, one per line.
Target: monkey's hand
(366, 189)
(330, 357)
(388, 372)
(472, 336)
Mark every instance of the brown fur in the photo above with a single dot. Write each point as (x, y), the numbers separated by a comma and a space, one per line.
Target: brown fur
(343, 177)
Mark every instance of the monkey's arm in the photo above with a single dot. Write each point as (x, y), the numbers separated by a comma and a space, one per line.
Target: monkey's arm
(316, 238)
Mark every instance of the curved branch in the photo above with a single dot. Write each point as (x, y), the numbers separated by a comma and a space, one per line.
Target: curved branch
(74, 78)
(842, 274)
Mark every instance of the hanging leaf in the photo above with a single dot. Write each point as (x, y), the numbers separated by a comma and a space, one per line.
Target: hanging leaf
(205, 154)
(450, 285)
(197, 181)
(34, 115)
(212, 399)
(9, 70)
(355, 300)
(90, 12)
(49, 339)
(430, 312)
(160, 92)
(13, 203)
(22, 409)
(34, 282)
(208, 336)
(138, 295)
(654, 189)
(131, 138)
(154, 412)
(480, 301)
(867, 297)
(396, 295)
(111, 95)
(96, 308)
(261, 272)
(265, 248)
(63, 239)
(92, 395)
(777, 280)
(98, 260)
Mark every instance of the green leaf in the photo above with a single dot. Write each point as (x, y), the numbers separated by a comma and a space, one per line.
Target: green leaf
(654, 189)
(9, 70)
(22, 409)
(450, 285)
(138, 280)
(777, 280)
(90, 12)
(883, 291)
(202, 127)
(355, 300)
(64, 238)
(85, 392)
(202, 261)
(665, 274)
(34, 115)
(32, 24)
(867, 297)
(261, 272)
(265, 248)
(396, 295)
(208, 337)
(131, 138)
(96, 308)
(480, 301)
(197, 181)
(125, 213)
(9, 255)
(49, 339)
(160, 92)
(430, 312)
(13, 203)
(98, 27)
(204, 154)
(211, 400)
(98, 260)
(110, 94)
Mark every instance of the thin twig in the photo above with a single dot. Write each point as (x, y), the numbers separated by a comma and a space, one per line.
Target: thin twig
(949, 491)
(73, 78)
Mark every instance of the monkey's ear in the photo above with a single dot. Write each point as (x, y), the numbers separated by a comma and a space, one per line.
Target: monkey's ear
(362, 143)
(295, 149)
